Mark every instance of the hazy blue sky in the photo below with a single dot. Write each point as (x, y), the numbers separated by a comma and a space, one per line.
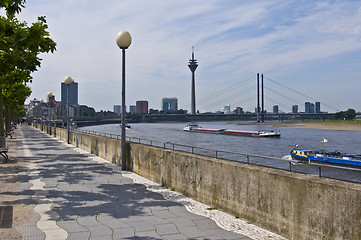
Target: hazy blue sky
(312, 47)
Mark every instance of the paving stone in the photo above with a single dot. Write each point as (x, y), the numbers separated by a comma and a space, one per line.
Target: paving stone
(174, 237)
(182, 212)
(113, 223)
(206, 224)
(154, 220)
(225, 234)
(87, 221)
(142, 226)
(163, 214)
(181, 222)
(99, 230)
(166, 229)
(31, 231)
(147, 235)
(192, 231)
(123, 233)
(71, 226)
(78, 236)
(105, 237)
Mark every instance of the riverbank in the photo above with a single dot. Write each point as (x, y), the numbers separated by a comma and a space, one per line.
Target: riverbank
(325, 125)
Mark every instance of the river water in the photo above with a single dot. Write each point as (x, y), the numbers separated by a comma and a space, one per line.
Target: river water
(344, 141)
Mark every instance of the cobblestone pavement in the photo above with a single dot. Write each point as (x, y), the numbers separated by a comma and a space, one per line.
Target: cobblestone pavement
(75, 197)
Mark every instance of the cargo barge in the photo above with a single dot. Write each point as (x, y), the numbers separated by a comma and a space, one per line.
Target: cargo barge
(199, 129)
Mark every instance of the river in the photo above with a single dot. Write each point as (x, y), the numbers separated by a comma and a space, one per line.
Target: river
(344, 141)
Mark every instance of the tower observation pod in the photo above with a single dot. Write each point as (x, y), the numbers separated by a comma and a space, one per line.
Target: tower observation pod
(193, 66)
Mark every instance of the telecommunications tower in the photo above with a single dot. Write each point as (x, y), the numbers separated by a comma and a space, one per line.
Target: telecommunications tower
(193, 66)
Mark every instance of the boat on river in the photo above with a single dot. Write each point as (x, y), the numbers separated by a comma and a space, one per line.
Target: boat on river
(196, 128)
(323, 156)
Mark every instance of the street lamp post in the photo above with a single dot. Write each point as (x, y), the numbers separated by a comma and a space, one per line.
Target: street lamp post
(36, 116)
(41, 114)
(50, 94)
(68, 80)
(123, 41)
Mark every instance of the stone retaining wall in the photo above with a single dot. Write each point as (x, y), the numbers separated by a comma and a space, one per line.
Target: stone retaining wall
(297, 206)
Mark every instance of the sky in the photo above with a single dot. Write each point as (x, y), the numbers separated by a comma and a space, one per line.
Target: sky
(308, 51)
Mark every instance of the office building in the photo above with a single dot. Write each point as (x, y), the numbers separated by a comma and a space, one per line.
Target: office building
(238, 110)
(309, 107)
(295, 109)
(132, 109)
(73, 94)
(142, 106)
(275, 109)
(318, 107)
(117, 109)
(226, 109)
(170, 104)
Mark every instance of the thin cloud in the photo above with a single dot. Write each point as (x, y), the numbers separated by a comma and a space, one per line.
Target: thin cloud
(232, 39)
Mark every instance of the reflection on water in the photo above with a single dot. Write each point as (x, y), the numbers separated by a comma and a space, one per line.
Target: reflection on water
(344, 141)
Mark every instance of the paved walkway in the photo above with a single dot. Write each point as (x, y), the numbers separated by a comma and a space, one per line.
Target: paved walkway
(77, 197)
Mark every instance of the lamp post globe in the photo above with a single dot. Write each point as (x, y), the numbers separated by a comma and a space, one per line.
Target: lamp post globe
(123, 39)
(50, 94)
(68, 80)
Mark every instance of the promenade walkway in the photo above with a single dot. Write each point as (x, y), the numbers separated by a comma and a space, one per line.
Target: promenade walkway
(75, 195)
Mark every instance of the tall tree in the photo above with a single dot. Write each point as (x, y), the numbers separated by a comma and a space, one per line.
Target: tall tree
(20, 46)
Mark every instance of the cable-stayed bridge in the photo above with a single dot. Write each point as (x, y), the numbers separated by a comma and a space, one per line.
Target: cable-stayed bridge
(247, 94)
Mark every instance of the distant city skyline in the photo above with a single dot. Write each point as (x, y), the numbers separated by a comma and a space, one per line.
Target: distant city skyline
(310, 46)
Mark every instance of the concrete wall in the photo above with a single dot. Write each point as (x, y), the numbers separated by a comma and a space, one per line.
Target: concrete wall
(293, 205)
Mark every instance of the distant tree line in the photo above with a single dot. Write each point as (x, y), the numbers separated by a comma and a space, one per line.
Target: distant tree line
(350, 114)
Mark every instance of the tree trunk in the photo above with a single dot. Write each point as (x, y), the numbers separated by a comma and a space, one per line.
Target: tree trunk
(8, 119)
(2, 132)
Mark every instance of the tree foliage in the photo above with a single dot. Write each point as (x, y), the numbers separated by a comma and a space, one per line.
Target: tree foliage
(350, 114)
(20, 46)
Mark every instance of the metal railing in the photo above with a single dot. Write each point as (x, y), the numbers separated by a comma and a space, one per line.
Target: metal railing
(322, 170)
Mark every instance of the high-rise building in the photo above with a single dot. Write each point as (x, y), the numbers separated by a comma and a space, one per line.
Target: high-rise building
(226, 109)
(295, 109)
(142, 106)
(73, 93)
(132, 109)
(318, 107)
(170, 104)
(309, 107)
(117, 109)
(275, 109)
